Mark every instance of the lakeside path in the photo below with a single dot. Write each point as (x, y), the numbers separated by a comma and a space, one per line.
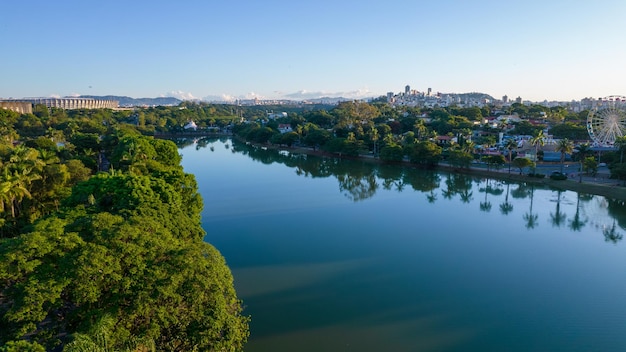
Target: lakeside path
(600, 184)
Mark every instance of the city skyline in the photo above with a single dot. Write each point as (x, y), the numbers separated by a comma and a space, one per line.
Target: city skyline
(550, 50)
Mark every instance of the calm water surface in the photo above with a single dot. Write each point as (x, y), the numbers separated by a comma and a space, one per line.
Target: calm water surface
(332, 255)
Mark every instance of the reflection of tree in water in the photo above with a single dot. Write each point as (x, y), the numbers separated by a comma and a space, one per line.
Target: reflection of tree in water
(485, 205)
(458, 184)
(557, 218)
(357, 187)
(311, 167)
(506, 207)
(359, 181)
(611, 234)
(617, 209)
(576, 224)
(466, 196)
(447, 193)
(521, 192)
(392, 176)
(530, 218)
(491, 187)
(431, 197)
(423, 181)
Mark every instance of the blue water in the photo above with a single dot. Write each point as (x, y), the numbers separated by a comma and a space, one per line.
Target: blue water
(332, 255)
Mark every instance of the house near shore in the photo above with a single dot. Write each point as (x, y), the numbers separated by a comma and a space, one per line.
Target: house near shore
(284, 128)
(446, 140)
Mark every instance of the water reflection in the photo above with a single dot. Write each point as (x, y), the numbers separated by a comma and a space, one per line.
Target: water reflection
(359, 181)
(558, 217)
(506, 207)
(577, 223)
(611, 234)
(491, 187)
(339, 255)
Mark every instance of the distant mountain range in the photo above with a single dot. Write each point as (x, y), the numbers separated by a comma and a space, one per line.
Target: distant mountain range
(170, 101)
(128, 101)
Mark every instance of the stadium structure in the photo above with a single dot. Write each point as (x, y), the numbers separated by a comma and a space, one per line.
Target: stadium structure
(25, 105)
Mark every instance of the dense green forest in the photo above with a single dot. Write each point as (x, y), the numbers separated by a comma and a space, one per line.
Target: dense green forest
(102, 247)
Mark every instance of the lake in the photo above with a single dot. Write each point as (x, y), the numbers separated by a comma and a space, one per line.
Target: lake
(341, 255)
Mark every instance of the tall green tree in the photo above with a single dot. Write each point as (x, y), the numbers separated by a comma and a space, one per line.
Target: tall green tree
(538, 141)
(564, 146)
(522, 163)
(425, 153)
(510, 145)
(582, 151)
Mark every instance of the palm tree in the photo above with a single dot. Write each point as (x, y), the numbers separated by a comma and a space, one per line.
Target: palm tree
(538, 141)
(5, 188)
(420, 129)
(373, 134)
(48, 157)
(582, 150)
(17, 190)
(24, 160)
(468, 147)
(564, 146)
(510, 145)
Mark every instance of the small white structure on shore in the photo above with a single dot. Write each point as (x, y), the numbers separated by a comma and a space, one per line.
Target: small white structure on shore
(191, 125)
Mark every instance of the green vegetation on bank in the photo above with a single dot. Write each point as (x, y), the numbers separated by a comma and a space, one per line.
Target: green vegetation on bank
(102, 246)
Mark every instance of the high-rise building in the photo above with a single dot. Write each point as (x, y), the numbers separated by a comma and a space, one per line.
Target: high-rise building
(407, 89)
(505, 99)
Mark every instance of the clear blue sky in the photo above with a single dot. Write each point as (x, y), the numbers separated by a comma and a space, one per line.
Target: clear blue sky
(549, 49)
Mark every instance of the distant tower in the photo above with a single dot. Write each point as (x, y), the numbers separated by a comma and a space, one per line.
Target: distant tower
(518, 100)
(505, 99)
(430, 90)
(407, 89)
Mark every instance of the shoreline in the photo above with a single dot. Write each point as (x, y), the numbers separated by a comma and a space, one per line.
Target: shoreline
(610, 190)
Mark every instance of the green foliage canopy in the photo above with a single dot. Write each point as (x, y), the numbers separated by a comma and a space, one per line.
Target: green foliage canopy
(126, 246)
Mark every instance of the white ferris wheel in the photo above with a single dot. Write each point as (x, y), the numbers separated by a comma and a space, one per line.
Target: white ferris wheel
(607, 120)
